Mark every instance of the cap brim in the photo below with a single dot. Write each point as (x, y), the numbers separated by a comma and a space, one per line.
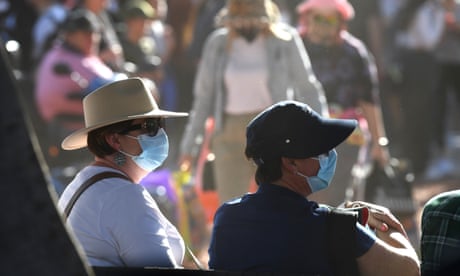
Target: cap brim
(333, 132)
(328, 134)
(78, 139)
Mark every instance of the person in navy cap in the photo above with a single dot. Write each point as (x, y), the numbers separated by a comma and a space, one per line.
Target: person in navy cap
(277, 229)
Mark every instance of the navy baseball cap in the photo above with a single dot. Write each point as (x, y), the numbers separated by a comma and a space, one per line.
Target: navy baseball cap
(81, 20)
(292, 129)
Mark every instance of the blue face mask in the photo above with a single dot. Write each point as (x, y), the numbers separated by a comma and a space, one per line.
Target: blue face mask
(326, 172)
(154, 150)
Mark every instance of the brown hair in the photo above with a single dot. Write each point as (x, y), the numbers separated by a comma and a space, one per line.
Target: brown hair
(97, 143)
(268, 169)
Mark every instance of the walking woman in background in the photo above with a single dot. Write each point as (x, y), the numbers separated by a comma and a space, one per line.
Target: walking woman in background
(347, 71)
(249, 63)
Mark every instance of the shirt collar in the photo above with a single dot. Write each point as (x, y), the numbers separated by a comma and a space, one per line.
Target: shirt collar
(272, 188)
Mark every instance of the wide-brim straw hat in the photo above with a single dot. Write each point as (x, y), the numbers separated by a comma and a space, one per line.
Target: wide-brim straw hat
(344, 7)
(122, 100)
(241, 12)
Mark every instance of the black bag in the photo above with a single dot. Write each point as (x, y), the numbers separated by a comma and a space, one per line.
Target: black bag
(208, 175)
(391, 187)
(341, 245)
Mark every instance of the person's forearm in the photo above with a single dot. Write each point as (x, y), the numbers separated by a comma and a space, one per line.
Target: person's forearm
(400, 245)
(394, 238)
(392, 253)
(373, 115)
(376, 32)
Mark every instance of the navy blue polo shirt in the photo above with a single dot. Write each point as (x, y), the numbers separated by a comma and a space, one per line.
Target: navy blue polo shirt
(276, 230)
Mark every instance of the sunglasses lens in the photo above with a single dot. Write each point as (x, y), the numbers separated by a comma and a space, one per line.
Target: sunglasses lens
(150, 126)
(153, 125)
(325, 20)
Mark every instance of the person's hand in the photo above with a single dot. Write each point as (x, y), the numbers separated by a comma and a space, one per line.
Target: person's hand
(380, 218)
(386, 226)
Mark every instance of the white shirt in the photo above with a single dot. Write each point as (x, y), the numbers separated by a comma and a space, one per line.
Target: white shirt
(118, 223)
(246, 77)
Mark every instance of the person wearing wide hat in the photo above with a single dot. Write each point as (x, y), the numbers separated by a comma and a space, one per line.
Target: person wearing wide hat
(250, 62)
(278, 230)
(116, 220)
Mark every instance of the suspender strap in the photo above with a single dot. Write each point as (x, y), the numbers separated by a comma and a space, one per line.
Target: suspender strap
(90, 181)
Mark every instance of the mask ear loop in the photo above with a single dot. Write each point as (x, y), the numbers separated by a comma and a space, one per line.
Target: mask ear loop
(123, 153)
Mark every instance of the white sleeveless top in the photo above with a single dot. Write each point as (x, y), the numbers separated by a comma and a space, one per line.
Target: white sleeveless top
(246, 77)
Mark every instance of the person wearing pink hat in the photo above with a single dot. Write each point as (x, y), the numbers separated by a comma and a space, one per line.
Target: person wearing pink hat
(342, 6)
(348, 74)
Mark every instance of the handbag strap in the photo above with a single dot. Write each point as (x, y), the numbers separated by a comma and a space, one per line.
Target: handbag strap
(90, 181)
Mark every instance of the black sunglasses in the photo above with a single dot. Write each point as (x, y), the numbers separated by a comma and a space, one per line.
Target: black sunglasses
(151, 125)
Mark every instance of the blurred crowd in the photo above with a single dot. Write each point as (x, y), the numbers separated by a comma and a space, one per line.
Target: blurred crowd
(415, 46)
(67, 48)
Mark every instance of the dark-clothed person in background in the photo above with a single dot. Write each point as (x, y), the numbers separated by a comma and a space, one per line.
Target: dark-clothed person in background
(110, 48)
(138, 47)
(418, 27)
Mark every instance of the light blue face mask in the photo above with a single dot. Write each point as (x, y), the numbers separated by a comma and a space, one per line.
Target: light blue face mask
(327, 164)
(154, 150)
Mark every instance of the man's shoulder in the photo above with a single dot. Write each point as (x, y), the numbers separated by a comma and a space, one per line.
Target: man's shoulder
(446, 202)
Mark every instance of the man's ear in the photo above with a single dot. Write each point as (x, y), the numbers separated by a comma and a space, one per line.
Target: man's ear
(289, 164)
